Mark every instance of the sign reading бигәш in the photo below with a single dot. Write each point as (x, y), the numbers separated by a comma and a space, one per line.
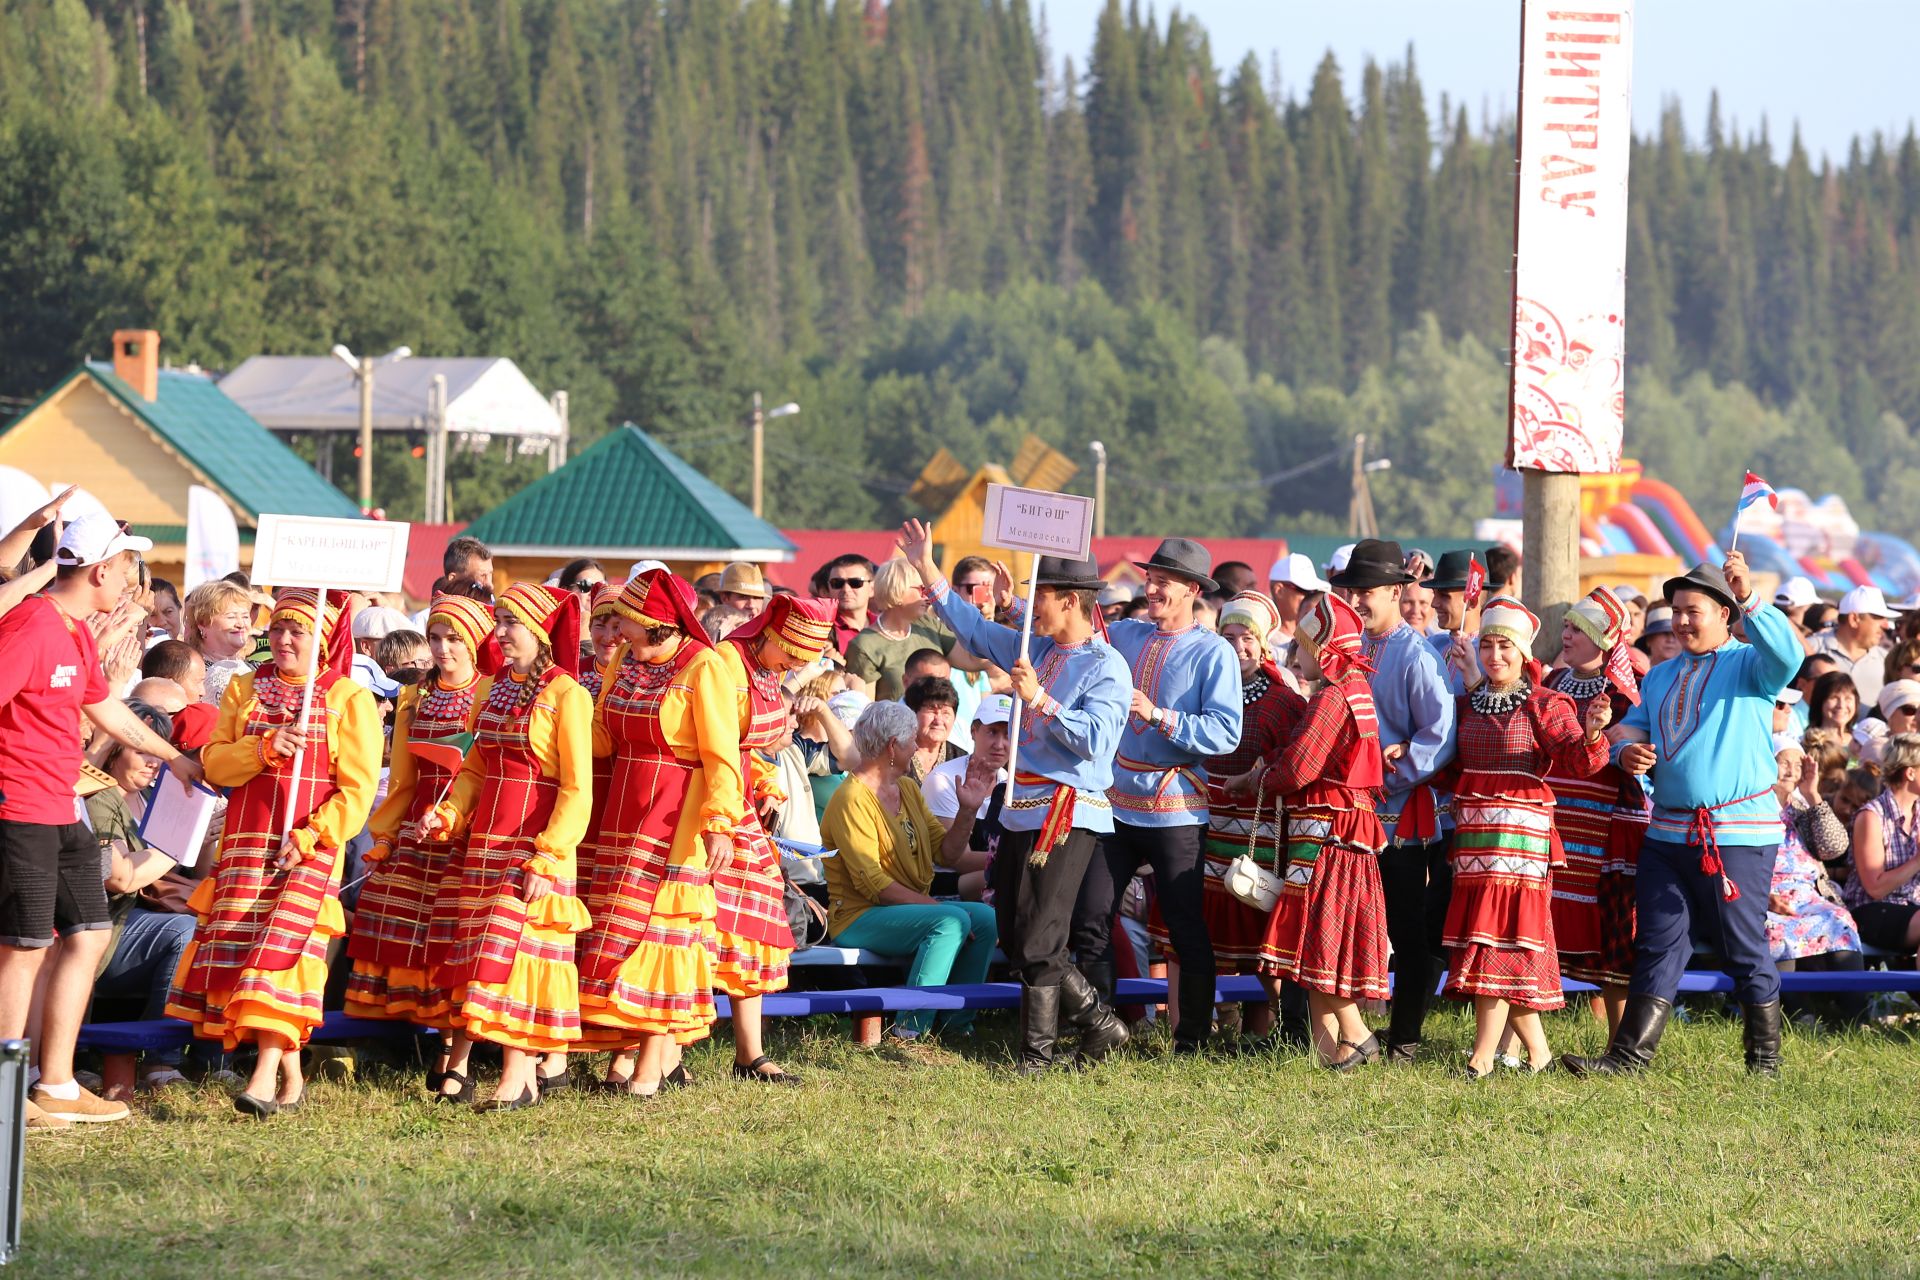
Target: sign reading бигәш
(1566, 407)
(1037, 520)
(321, 552)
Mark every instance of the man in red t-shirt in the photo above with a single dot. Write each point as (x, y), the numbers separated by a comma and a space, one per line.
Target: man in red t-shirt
(51, 878)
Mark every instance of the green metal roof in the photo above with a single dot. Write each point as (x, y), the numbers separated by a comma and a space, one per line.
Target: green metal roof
(242, 458)
(628, 493)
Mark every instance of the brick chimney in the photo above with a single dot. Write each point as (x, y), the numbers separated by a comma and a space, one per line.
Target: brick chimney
(136, 361)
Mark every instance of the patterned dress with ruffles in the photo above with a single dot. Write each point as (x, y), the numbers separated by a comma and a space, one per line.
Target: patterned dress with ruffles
(1499, 930)
(1238, 824)
(668, 732)
(258, 960)
(394, 917)
(753, 943)
(1601, 821)
(1328, 932)
(522, 799)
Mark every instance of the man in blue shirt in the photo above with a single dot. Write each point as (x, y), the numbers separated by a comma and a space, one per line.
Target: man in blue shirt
(1185, 707)
(1073, 688)
(1703, 733)
(1415, 705)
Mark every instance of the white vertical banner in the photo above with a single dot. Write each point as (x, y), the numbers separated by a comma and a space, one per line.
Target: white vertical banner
(1567, 401)
(213, 538)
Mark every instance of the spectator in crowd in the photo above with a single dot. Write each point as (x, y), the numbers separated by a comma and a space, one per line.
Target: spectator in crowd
(722, 619)
(744, 587)
(1854, 642)
(889, 843)
(879, 654)
(932, 663)
(50, 867)
(848, 582)
(1416, 598)
(1812, 667)
(467, 567)
(180, 662)
(1817, 620)
(1784, 707)
(258, 977)
(1289, 582)
(1793, 598)
(1835, 703)
(825, 739)
(991, 725)
(1884, 889)
(934, 705)
(1657, 640)
(602, 643)
(521, 801)
(1636, 603)
(404, 657)
(218, 617)
(1233, 577)
(166, 616)
(978, 581)
(581, 575)
(796, 819)
(1113, 600)
(1503, 572)
(373, 624)
(148, 938)
(1808, 925)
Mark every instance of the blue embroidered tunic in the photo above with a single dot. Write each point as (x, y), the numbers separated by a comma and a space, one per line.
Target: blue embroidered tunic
(1160, 777)
(1416, 706)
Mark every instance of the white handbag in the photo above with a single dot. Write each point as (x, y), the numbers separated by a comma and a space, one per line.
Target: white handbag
(1246, 879)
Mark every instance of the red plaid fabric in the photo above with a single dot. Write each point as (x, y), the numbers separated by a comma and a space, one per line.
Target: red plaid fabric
(750, 914)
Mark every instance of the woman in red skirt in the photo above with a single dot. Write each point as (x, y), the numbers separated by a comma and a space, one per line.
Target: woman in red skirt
(752, 940)
(432, 729)
(667, 724)
(1328, 932)
(302, 787)
(521, 801)
(1499, 930)
(1601, 819)
(1243, 817)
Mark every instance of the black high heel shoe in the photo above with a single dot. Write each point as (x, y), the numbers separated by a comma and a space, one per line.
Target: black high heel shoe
(456, 1099)
(529, 1098)
(259, 1108)
(678, 1078)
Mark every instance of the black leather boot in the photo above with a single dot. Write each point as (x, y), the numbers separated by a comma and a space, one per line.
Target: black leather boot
(1761, 1037)
(1039, 1028)
(1099, 975)
(1101, 1031)
(1634, 1041)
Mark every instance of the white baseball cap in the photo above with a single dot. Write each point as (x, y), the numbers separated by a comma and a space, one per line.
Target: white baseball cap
(641, 566)
(1785, 742)
(1896, 694)
(379, 622)
(995, 708)
(1789, 697)
(1112, 593)
(1910, 604)
(94, 537)
(1296, 570)
(1341, 555)
(1796, 593)
(1868, 600)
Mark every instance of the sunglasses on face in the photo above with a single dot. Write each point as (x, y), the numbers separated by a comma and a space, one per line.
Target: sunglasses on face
(585, 588)
(855, 583)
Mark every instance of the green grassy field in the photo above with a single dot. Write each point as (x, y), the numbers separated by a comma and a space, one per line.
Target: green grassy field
(942, 1163)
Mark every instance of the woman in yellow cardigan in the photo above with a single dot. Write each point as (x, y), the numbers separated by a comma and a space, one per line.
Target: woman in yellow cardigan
(522, 799)
(888, 841)
(257, 964)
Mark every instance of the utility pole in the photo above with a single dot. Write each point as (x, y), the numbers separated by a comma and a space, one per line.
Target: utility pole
(1360, 521)
(1099, 489)
(363, 367)
(760, 420)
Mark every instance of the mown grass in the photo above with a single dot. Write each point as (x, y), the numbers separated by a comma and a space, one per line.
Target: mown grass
(885, 1165)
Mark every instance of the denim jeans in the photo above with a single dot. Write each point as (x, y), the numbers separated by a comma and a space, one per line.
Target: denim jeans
(142, 965)
(949, 942)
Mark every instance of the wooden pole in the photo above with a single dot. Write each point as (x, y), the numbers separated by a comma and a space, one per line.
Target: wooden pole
(1026, 641)
(306, 708)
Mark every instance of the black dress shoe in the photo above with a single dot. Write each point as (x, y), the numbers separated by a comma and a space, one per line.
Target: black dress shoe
(530, 1097)
(464, 1096)
(558, 1082)
(752, 1071)
(1363, 1053)
(259, 1108)
(678, 1078)
(297, 1103)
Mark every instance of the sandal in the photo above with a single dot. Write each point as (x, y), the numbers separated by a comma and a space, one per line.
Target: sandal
(465, 1095)
(529, 1098)
(1363, 1053)
(752, 1071)
(678, 1078)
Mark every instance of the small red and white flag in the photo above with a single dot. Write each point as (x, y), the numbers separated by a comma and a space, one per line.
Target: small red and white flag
(1757, 490)
(1476, 583)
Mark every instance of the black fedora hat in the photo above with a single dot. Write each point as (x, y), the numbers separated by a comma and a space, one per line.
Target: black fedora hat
(1375, 563)
(1451, 573)
(1185, 557)
(1075, 575)
(1704, 578)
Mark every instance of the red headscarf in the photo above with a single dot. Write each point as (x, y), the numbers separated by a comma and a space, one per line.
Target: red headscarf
(1332, 630)
(658, 598)
(803, 627)
(331, 628)
(551, 614)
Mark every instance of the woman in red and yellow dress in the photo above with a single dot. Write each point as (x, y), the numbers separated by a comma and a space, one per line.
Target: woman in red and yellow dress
(603, 643)
(1499, 930)
(521, 803)
(752, 940)
(257, 964)
(667, 722)
(1601, 819)
(432, 729)
(1328, 932)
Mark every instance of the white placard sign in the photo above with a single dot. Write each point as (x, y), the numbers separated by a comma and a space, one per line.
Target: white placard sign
(1040, 521)
(322, 552)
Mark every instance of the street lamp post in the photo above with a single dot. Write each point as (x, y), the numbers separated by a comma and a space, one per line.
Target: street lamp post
(1099, 489)
(363, 367)
(760, 420)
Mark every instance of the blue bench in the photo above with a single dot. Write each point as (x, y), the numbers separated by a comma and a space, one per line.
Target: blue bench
(171, 1033)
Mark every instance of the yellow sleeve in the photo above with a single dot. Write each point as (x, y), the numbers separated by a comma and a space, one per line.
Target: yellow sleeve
(602, 740)
(564, 746)
(230, 758)
(353, 739)
(403, 775)
(853, 825)
(703, 705)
